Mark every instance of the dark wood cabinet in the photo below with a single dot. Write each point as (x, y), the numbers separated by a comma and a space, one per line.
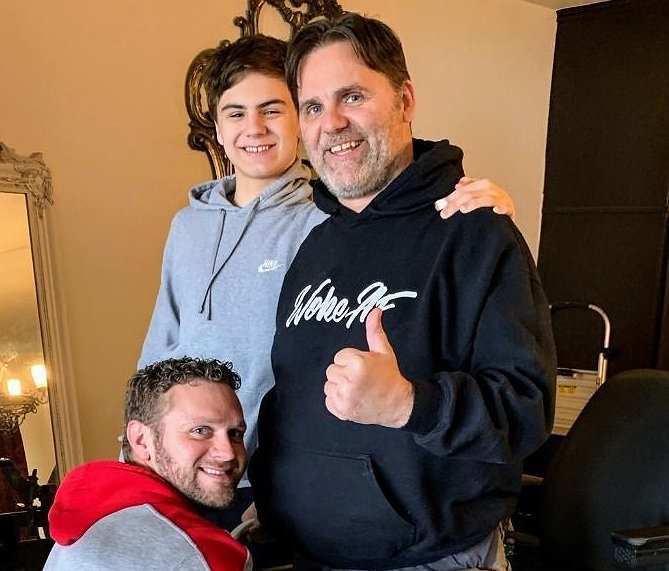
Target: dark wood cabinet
(604, 233)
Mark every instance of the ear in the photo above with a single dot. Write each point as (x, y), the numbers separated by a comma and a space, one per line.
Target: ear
(140, 438)
(219, 135)
(408, 94)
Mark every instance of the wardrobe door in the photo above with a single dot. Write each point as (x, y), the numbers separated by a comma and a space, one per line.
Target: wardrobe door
(614, 260)
(604, 227)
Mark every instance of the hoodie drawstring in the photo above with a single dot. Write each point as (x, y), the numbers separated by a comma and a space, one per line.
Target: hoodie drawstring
(206, 299)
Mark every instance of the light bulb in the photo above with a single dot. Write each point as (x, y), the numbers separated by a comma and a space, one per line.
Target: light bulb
(38, 373)
(14, 387)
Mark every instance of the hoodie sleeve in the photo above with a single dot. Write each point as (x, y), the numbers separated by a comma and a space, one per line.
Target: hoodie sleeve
(162, 337)
(499, 407)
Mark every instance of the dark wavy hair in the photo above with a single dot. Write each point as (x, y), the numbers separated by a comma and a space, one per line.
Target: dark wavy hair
(374, 42)
(229, 63)
(145, 389)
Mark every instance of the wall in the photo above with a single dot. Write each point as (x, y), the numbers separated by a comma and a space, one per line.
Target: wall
(97, 87)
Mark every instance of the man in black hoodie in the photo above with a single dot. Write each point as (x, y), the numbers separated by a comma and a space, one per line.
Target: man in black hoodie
(395, 445)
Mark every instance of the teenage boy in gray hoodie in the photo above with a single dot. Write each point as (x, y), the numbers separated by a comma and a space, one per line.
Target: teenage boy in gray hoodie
(228, 251)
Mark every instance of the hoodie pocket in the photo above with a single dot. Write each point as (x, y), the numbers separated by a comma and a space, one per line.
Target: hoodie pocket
(334, 508)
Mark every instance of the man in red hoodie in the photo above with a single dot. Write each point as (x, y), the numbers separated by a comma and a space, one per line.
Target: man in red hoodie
(184, 438)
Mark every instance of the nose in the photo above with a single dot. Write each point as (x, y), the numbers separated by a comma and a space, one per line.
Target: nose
(333, 119)
(256, 124)
(223, 448)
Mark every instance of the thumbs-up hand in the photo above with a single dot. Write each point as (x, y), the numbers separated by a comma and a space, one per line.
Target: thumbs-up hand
(367, 386)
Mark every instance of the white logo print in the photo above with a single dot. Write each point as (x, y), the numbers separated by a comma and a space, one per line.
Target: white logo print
(331, 308)
(269, 265)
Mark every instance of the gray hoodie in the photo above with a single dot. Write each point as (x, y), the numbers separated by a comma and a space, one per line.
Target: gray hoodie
(223, 267)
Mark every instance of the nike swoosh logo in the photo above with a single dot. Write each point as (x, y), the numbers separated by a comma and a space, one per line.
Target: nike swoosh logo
(269, 266)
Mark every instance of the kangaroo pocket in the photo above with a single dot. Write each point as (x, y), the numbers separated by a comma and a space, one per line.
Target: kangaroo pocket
(334, 509)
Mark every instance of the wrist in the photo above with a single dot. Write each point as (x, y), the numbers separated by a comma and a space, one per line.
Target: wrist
(404, 407)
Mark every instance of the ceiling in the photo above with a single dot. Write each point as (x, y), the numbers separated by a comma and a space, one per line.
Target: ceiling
(557, 4)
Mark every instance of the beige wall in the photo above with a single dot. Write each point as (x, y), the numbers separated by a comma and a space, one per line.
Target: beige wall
(97, 87)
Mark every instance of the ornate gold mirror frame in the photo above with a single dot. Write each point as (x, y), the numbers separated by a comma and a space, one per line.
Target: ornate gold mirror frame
(202, 135)
(29, 176)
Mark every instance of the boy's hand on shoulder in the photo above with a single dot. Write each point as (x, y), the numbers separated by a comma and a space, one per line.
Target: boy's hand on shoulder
(472, 193)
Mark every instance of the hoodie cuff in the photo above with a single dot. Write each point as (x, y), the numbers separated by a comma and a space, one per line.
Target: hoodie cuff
(428, 403)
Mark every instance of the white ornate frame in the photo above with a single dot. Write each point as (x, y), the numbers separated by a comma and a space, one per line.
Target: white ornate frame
(28, 175)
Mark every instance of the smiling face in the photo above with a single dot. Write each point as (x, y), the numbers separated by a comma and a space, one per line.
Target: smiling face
(199, 444)
(355, 125)
(256, 123)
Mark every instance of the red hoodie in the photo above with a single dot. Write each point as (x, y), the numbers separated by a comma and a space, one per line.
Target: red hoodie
(97, 489)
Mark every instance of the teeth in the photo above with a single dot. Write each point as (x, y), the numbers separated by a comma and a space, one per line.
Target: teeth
(257, 149)
(213, 471)
(345, 146)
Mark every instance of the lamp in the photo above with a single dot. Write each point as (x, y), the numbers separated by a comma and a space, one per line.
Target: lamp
(15, 404)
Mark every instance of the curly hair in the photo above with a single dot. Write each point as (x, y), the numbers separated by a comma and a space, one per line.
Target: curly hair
(145, 389)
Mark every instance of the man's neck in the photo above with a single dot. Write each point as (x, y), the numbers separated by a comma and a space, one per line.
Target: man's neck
(358, 204)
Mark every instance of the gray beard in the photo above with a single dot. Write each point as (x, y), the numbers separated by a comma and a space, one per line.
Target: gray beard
(373, 183)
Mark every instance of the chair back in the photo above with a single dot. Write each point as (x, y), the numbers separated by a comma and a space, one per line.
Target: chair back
(610, 473)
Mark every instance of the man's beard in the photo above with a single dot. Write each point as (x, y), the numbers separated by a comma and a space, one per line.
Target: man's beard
(368, 176)
(365, 179)
(185, 480)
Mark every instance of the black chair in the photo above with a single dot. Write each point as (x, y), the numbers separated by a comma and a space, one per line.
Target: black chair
(610, 473)
(21, 547)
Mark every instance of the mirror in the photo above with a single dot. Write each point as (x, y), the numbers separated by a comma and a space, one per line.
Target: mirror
(26, 436)
(202, 136)
(38, 426)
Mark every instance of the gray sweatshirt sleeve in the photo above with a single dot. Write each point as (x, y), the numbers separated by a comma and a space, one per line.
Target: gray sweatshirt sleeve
(162, 337)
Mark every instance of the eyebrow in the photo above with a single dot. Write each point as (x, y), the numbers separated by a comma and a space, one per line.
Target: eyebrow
(308, 103)
(212, 421)
(259, 106)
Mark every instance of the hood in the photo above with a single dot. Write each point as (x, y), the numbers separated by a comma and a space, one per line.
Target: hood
(433, 174)
(95, 490)
(288, 189)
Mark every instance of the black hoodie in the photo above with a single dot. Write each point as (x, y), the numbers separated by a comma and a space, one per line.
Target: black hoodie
(469, 323)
